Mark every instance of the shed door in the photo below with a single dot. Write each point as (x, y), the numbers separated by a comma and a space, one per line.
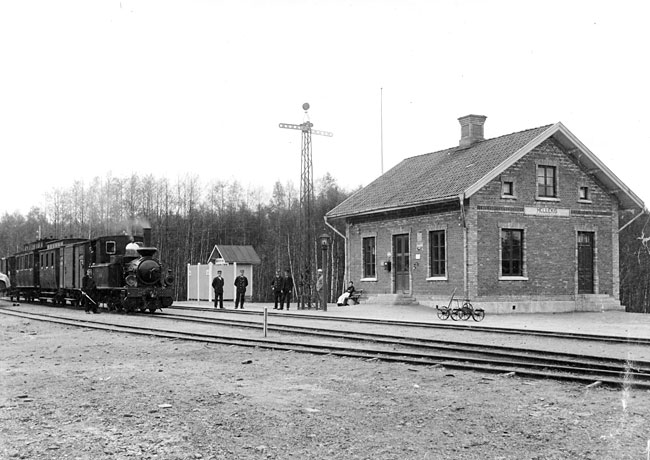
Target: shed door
(585, 263)
(402, 262)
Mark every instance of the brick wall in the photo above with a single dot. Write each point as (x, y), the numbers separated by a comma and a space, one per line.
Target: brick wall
(384, 230)
(550, 243)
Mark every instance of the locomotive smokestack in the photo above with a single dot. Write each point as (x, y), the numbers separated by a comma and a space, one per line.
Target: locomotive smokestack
(147, 252)
(147, 236)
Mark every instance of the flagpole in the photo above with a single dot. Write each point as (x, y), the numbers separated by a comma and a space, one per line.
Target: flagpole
(381, 120)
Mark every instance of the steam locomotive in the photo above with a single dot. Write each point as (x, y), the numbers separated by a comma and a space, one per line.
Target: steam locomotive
(127, 275)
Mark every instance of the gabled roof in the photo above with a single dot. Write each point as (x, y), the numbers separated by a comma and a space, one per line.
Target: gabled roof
(235, 254)
(447, 174)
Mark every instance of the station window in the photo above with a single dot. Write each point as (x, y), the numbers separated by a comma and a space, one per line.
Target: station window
(368, 247)
(512, 252)
(437, 253)
(583, 194)
(546, 181)
(508, 189)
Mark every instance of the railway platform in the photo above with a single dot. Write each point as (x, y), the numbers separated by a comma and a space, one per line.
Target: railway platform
(609, 323)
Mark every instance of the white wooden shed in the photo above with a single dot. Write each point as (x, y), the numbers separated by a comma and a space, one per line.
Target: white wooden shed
(230, 260)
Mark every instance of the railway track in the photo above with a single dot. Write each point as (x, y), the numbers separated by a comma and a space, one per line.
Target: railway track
(445, 326)
(504, 361)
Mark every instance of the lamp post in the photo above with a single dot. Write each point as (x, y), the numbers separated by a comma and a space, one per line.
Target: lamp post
(324, 244)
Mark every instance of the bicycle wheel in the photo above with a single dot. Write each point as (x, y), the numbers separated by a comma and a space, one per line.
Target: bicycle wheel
(456, 313)
(443, 313)
(478, 314)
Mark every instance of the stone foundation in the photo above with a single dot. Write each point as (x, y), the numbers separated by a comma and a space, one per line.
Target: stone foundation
(566, 304)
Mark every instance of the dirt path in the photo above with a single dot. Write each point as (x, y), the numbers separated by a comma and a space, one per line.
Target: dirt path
(69, 393)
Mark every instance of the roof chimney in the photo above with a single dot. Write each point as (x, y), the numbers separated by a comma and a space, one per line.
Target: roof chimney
(471, 129)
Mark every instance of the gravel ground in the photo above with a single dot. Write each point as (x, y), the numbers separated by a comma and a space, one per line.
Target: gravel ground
(82, 394)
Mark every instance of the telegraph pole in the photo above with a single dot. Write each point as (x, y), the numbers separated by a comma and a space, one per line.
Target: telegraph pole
(306, 224)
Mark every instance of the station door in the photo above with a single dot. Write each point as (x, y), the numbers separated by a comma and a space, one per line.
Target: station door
(585, 262)
(401, 256)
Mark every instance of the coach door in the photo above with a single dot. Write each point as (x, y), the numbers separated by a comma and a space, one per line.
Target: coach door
(585, 263)
(401, 255)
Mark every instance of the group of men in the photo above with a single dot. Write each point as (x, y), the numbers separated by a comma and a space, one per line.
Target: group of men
(282, 288)
(241, 283)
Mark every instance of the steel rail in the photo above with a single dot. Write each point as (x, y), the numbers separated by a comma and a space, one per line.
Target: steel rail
(453, 326)
(545, 357)
(621, 378)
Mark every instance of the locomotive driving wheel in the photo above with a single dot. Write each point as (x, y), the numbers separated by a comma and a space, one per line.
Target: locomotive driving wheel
(153, 305)
(130, 304)
(113, 303)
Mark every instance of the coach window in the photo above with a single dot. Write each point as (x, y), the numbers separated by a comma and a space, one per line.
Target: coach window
(110, 247)
(368, 248)
(512, 253)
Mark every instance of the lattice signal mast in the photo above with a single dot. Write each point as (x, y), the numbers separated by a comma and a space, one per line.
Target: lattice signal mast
(307, 225)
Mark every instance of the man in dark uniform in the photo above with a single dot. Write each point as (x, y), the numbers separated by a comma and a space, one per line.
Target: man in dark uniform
(287, 289)
(241, 282)
(217, 285)
(89, 288)
(276, 285)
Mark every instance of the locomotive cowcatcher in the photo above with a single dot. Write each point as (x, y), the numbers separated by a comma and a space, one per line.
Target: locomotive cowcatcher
(126, 272)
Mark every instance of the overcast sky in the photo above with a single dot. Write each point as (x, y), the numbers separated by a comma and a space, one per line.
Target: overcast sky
(199, 87)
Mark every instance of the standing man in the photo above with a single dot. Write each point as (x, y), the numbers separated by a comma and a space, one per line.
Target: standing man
(241, 282)
(287, 289)
(217, 285)
(89, 288)
(276, 285)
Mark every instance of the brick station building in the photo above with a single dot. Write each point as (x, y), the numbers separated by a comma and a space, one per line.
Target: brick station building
(526, 222)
